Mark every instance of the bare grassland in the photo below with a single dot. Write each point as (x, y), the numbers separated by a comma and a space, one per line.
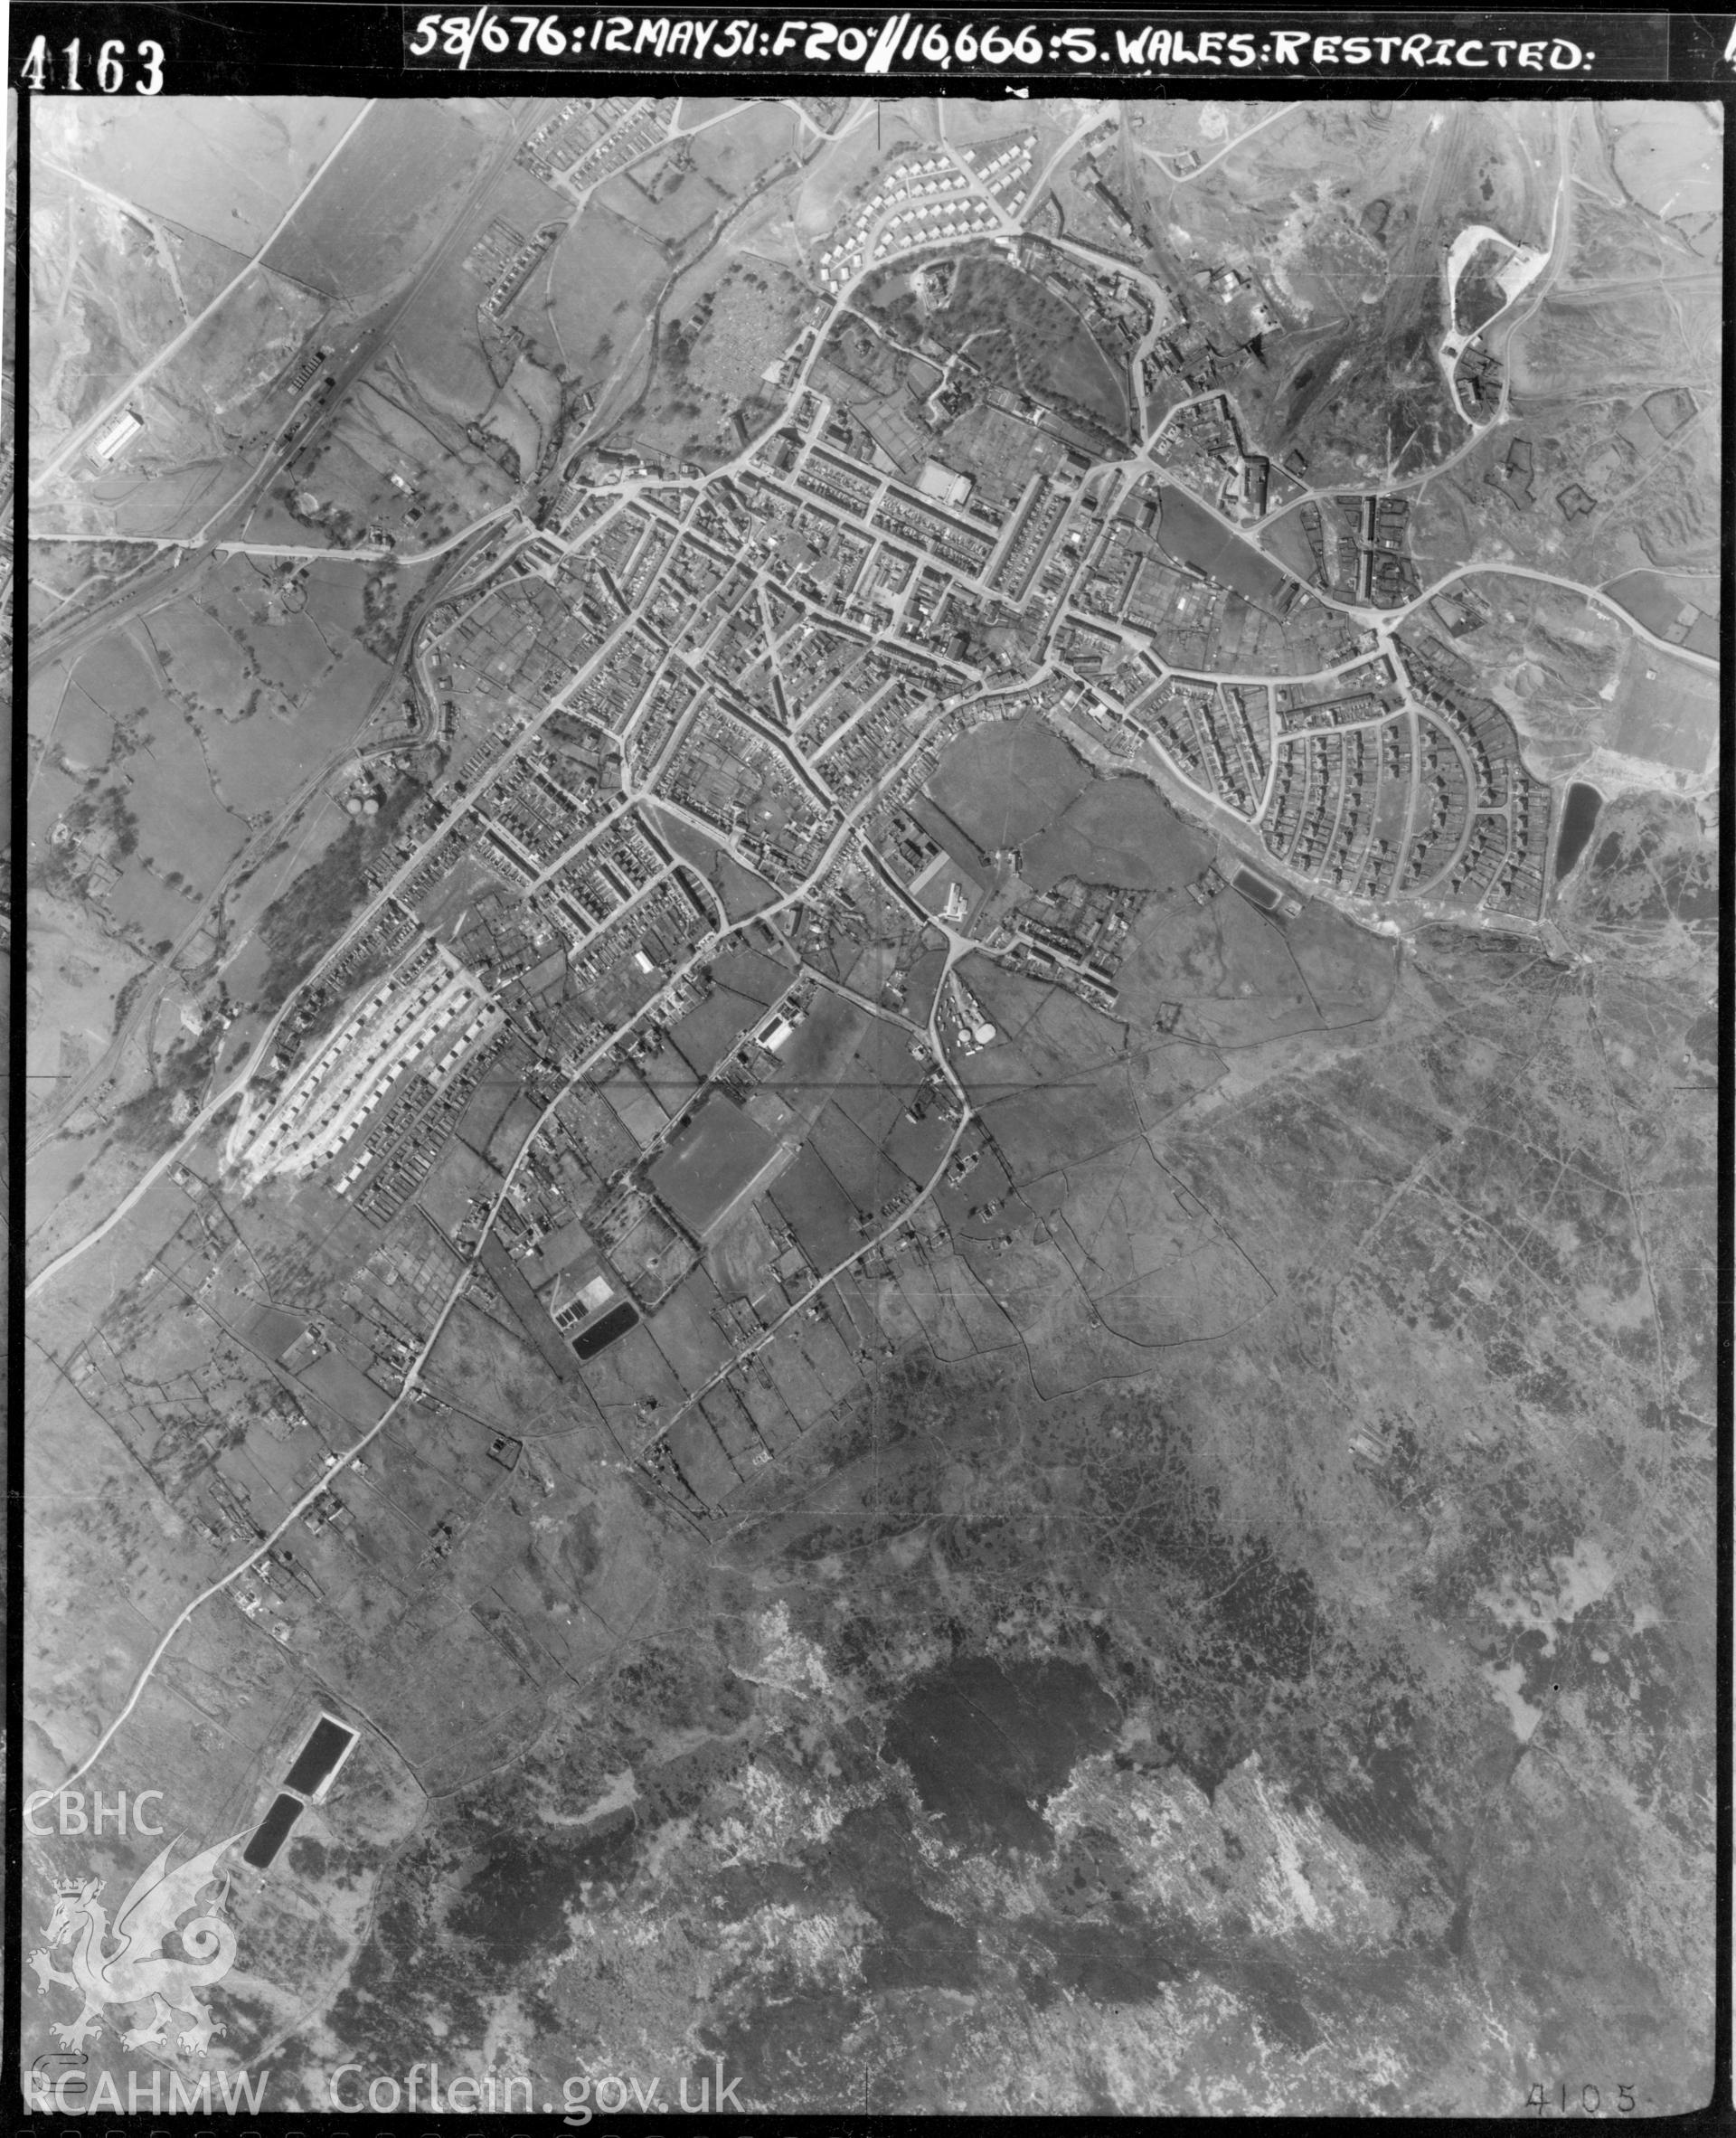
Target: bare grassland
(375, 213)
(226, 168)
(604, 283)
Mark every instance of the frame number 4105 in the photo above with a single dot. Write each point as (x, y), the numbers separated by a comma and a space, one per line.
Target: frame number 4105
(1588, 2101)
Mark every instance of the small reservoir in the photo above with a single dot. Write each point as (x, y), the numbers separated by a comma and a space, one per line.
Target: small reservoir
(1578, 819)
(1265, 895)
(327, 1746)
(272, 1831)
(621, 1317)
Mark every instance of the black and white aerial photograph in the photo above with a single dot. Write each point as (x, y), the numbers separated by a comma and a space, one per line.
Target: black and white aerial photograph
(870, 1169)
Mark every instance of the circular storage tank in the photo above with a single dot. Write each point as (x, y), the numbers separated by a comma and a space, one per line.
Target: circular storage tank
(982, 1034)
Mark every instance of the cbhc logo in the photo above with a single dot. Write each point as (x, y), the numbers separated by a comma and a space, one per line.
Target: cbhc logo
(72, 1817)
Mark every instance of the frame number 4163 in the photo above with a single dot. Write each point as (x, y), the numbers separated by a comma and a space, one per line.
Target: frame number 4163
(61, 68)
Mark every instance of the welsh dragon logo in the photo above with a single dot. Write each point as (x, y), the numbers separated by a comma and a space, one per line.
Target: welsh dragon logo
(137, 1968)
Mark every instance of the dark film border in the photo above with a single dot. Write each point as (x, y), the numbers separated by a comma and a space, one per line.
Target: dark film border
(314, 46)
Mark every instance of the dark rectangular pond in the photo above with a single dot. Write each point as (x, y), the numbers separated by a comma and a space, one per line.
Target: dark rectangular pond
(619, 1319)
(1265, 895)
(327, 1744)
(1578, 819)
(272, 1831)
